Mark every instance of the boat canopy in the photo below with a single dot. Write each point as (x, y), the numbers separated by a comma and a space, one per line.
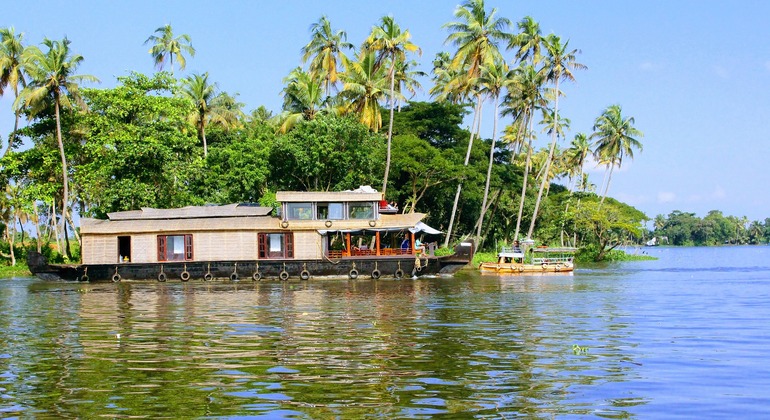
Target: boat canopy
(419, 227)
(422, 227)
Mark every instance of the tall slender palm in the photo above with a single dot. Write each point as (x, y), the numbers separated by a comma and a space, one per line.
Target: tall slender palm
(577, 154)
(406, 79)
(210, 105)
(12, 71)
(52, 76)
(526, 100)
(476, 34)
(302, 98)
(615, 138)
(166, 46)
(391, 45)
(528, 42)
(325, 52)
(495, 78)
(559, 62)
(364, 85)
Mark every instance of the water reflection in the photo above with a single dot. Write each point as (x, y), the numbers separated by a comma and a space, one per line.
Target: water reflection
(492, 346)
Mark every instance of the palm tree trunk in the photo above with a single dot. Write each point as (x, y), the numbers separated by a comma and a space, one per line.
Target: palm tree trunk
(11, 237)
(37, 228)
(545, 180)
(607, 187)
(476, 121)
(524, 181)
(65, 195)
(205, 145)
(489, 170)
(390, 128)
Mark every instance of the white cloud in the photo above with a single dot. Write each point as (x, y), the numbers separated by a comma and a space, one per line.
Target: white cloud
(719, 193)
(721, 72)
(666, 197)
(649, 66)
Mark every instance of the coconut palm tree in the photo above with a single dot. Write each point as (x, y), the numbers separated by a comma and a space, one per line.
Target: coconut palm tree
(528, 98)
(210, 106)
(52, 77)
(559, 62)
(578, 152)
(325, 52)
(528, 42)
(391, 45)
(302, 98)
(12, 71)
(615, 138)
(495, 78)
(476, 35)
(406, 79)
(166, 46)
(364, 85)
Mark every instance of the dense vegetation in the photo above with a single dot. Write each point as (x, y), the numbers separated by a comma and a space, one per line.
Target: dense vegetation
(162, 140)
(679, 228)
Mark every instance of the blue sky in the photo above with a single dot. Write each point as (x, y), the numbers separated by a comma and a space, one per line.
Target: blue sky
(694, 74)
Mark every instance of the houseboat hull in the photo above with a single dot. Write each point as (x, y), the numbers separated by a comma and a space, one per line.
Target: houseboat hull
(375, 267)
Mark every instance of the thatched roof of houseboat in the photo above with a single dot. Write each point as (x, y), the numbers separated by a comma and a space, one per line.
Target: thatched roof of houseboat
(322, 197)
(192, 212)
(262, 223)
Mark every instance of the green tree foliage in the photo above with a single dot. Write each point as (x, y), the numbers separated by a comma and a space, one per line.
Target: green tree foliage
(329, 153)
(605, 226)
(137, 150)
(237, 169)
(687, 229)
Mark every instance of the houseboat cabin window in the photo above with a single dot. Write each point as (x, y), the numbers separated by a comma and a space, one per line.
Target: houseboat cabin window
(361, 211)
(276, 245)
(299, 211)
(175, 248)
(330, 211)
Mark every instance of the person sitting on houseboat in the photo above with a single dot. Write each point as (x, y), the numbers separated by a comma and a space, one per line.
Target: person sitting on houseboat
(405, 245)
(418, 246)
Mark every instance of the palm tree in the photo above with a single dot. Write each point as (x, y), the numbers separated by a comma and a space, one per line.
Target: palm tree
(364, 85)
(525, 101)
(578, 152)
(476, 35)
(325, 52)
(391, 45)
(210, 105)
(12, 71)
(165, 46)
(494, 79)
(615, 139)
(528, 41)
(406, 78)
(52, 77)
(559, 63)
(302, 98)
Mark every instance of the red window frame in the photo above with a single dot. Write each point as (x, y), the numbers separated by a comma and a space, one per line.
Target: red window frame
(163, 247)
(263, 245)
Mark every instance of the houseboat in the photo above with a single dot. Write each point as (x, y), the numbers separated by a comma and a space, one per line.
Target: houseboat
(529, 259)
(311, 235)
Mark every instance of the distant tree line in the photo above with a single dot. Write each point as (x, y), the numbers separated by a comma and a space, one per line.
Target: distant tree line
(681, 228)
(165, 140)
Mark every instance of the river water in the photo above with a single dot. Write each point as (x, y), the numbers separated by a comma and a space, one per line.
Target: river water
(686, 336)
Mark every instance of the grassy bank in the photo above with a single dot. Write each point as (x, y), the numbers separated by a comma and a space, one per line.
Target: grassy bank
(19, 270)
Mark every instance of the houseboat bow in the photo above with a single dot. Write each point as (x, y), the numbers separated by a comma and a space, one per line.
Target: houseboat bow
(316, 234)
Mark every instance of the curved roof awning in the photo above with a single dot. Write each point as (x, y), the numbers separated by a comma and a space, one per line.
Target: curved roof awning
(422, 227)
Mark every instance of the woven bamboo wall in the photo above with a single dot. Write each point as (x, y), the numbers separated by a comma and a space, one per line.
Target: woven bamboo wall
(307, 245)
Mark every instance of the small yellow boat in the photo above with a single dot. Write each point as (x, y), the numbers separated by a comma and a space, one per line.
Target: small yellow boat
(513, 260)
